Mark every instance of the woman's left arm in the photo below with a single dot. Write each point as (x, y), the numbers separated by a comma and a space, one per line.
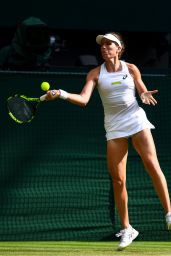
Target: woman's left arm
(145, 95)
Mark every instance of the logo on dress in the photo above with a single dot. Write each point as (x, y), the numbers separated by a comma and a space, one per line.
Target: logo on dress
(117, 82)
(125, 76)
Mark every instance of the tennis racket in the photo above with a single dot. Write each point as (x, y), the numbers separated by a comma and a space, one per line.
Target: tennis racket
(22, 109)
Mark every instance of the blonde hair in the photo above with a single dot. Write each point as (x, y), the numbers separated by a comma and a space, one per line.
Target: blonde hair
(119, 36)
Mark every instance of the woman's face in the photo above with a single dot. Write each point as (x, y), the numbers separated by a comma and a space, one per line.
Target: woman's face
(109, 49)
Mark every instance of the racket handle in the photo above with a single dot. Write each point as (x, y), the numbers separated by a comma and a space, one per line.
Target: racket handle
(43, 97)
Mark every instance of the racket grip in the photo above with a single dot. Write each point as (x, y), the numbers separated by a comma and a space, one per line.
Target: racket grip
(43, 97)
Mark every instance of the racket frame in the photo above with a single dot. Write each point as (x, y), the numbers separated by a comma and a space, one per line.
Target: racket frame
(26, 98)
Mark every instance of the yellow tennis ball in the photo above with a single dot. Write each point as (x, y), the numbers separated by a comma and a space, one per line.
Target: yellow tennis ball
(45, 86)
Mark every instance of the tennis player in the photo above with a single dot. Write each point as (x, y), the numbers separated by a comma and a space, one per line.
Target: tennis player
(116, 81)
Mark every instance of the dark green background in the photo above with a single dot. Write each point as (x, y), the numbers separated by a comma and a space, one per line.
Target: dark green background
(91, 15)
(54, 182)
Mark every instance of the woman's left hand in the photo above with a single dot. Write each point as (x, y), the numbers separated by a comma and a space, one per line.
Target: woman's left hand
(147, 97)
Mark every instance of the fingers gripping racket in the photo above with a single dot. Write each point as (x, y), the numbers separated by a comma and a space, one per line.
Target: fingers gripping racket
(22, 109)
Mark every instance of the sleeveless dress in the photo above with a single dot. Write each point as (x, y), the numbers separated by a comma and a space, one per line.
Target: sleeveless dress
(122, 115)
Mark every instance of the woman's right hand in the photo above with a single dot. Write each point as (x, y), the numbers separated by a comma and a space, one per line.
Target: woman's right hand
(52, 95)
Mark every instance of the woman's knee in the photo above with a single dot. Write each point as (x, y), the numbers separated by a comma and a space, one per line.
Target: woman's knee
(152, 165)
(119, 181)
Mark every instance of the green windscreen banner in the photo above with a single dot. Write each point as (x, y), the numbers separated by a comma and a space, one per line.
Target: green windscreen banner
(54, 181)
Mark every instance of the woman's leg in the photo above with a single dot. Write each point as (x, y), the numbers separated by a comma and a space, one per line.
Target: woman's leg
(117, 151)
(144, 144)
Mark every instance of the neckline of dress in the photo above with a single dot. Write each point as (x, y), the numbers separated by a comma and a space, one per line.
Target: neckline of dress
(120, 68)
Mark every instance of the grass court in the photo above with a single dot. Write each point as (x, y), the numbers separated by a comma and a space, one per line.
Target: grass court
(64, 248)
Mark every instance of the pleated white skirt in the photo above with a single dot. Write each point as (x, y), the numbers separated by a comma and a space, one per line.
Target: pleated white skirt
(128, 125)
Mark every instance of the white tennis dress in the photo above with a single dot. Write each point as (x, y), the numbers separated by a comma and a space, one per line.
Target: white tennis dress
(122, 115)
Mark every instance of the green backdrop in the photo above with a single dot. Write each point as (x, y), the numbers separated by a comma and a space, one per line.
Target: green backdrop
(54, 182)
(91, 15)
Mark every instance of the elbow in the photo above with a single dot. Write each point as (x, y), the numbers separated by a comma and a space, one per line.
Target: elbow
(83, 104)
(83, 101)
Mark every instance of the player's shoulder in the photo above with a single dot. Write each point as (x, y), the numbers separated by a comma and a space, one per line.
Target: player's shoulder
(94, 73)
(133, 69)
(131, 66)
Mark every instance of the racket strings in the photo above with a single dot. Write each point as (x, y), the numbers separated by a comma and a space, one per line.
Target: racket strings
(21, 109)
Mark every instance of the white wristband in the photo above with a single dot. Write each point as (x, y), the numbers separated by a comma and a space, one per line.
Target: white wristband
(63, 94)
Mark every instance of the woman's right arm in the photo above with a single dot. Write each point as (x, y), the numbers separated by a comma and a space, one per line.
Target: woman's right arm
(79, 99)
